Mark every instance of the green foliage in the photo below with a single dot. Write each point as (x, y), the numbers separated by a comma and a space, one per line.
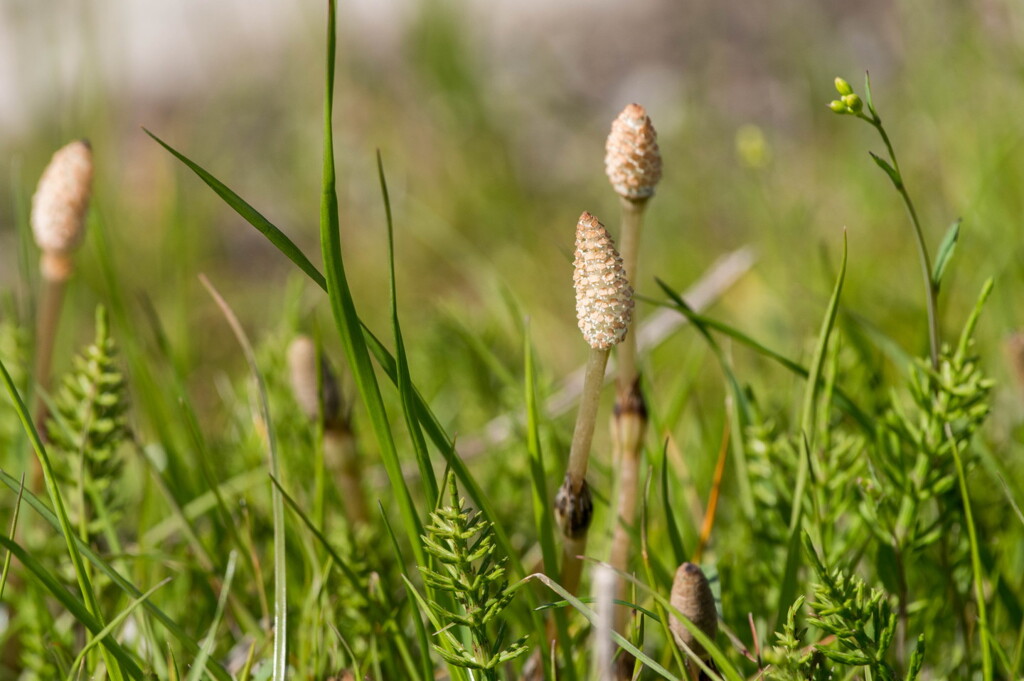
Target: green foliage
(89, 426)
(465, 565)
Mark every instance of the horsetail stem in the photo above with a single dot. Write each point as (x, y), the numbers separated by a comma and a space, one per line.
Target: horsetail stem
(604, 305)
(633, 165)
(58, 226)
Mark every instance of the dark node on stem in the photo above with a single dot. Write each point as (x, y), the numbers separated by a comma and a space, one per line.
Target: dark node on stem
(574, 509)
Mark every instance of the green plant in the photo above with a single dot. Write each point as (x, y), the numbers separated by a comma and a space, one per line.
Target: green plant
(467, 567)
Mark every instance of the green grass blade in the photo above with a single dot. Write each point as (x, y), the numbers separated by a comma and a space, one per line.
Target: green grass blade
(199, 664)
(250, 214)
(591, 617)
(787, 589)
(347, 319)
(542, 516)
(742, 408)
(280, 654)
(675, 535)
(346, 570)
(114, 624)
(78, 609)
(81, 573)
(421, 630)
(843, 400)
(405, 387)
(10, 535)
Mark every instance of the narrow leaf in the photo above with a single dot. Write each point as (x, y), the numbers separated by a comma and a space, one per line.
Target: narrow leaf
(946, 250)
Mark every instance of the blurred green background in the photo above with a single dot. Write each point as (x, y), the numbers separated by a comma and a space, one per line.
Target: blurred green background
(491, 119)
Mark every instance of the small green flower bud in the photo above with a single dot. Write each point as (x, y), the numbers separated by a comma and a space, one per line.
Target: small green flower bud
(842, 87)
(838, 107)
(853, 102)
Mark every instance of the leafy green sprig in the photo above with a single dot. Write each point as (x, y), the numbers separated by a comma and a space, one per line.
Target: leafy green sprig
(465, 565)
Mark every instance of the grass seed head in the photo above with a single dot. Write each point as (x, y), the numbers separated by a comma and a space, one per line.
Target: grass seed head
(604, 298)
(691, 595)
(61, 200)
(632, 159)
(574, 509)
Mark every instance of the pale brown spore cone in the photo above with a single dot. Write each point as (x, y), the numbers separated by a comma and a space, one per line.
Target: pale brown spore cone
(691, 595)
(59, 206)
(313, 383)
(604, 298)
(632, 158)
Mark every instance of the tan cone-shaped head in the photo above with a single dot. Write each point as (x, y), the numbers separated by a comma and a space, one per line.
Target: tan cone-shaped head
(632, 159)
(308, 372)
(691, 595)
(604, 298)
(62, 198)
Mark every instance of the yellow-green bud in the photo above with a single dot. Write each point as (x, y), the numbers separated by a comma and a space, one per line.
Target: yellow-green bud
(838, 107)
(842, 87)
(853, 102)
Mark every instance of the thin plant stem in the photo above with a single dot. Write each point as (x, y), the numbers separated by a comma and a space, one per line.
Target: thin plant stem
(47, 322)
(629, 243)
(931, 288)
(586, 418)
(977, 574)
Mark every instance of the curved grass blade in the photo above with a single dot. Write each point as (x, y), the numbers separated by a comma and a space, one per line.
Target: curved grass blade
(405, 387)
(11, 534)
(843, 400)
(250, 214)
(114, 624)
(347, 319)
(742, 415)
(199, 664)
(542, 516)
(591, 617)
(787, 588)
(280, 654)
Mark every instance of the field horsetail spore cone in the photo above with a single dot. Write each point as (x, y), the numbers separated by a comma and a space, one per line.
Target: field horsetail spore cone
(633, 165)
(604, 306)
(318, 395)
(691, 595)
(58, 225)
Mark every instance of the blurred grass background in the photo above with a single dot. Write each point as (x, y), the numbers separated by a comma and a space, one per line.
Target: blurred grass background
(491, 118)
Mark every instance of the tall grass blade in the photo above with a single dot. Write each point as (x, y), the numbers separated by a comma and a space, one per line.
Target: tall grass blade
(346, 317)
(114, 624)
(199, 664)
(250, 214)
(405, 387)
(787, 589)
(280, 654)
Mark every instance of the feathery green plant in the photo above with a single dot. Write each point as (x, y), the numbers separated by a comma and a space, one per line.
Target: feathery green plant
(466, 566)
(89, 425)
